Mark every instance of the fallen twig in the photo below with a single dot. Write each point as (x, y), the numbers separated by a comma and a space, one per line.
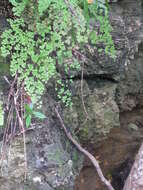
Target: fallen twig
(23, 130)
(11, 91)
(85, 152)
(15, 103)
(82, 99)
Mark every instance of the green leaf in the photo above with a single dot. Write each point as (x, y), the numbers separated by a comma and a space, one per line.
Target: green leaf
(43, 5)
(13, 2)
(28, 121)
(85, 10)
(28, 109)
(93, 37)
(40, 45)
(39, 115)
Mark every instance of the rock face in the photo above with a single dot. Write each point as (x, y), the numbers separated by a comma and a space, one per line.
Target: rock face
(49, 165)
(123, 79)
(102, 110)
(106, 116)
(110, 86)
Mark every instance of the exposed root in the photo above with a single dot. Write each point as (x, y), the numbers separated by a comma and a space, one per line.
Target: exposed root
(84, 59)
(85, 152)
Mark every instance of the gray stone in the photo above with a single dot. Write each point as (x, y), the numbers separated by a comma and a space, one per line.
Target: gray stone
(132, 126)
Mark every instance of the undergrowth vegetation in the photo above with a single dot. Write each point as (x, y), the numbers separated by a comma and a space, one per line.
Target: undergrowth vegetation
(46, 42)
(46, 38)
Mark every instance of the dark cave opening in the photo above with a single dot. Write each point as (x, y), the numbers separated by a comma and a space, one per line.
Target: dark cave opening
(120, 174)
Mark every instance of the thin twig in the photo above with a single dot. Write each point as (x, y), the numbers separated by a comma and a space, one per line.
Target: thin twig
(17, 101)
(24, 139)
(5, 138)
(82, 99)
(6, 129)
(11, 88)
(85, 152)
(84, 59)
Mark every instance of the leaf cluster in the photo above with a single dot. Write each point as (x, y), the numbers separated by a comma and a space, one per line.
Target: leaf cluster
(41, 45)
(29, 112)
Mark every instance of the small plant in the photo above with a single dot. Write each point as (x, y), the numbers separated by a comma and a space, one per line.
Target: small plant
(29, 112)
(42, 39)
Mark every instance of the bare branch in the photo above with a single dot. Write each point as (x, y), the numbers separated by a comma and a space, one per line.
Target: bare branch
(82, 99)
(23, 130)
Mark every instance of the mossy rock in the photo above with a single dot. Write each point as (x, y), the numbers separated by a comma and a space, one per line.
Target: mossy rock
(102, 111)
